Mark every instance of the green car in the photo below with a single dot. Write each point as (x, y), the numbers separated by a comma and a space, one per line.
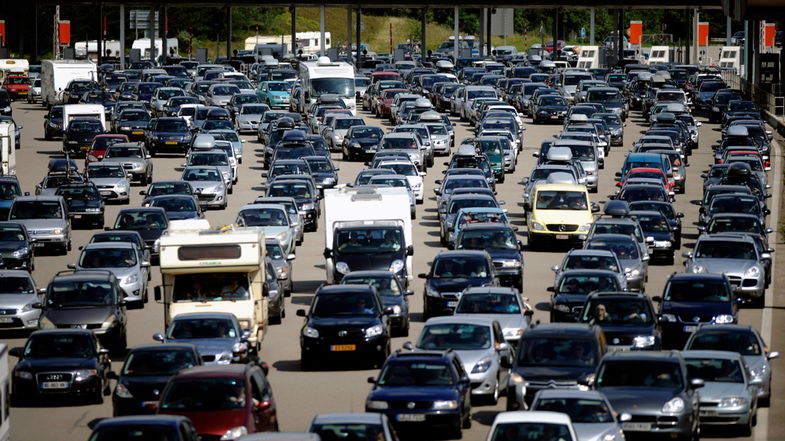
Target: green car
(274, 93)
(492, 147)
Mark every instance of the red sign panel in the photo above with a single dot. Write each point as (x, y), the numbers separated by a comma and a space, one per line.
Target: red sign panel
(703, 33)
(636, 31)
(64, 27)
(769, 32)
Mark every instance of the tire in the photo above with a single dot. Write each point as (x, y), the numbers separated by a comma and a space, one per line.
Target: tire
(98, 396)
(276, 320)
(746, 429)
(494, 397)
(467, 422)
(306, 363)
(531, 243)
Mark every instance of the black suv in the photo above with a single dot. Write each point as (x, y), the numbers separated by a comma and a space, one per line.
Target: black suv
(84, 202)
(87, 300)
(689, 300)
(167, 134)
(345, 321)
(655, 389)
(423, 390)
(553, 355)
(452, 272)
(78, 136)
(627, 319)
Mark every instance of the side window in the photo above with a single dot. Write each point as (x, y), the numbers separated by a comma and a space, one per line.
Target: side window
(259, 387)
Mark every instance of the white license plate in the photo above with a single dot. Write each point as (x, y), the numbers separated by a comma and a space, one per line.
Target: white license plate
(410, 417)
(77, 216)
(106, 193)
(636, 427)
(708, 412)
(562, 237)
(54, 385)
(690, 328)
(6, 319)
(452, 304)
(618, 348)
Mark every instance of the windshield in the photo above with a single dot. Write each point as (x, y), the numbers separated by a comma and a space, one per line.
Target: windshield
(134, 115)
(278, 86)
(181, 328)
(204, 394)
(640, 373)
(141, 220)
(697, 291)
(465, 183)
(605, 96)
(171, 125)
(580, 410)
(623, 248)
(263, 217)
(108, 258)
(715, 370)
(734, 224)
(657, 224)
(385, 286)
(481, 93)
(210, 287)
(460, 267)
(490, 148)
(561, 200)
(225, 90)
(590, 262)
(59, 346)
(208, 175)
(123, 152)
(531, 431)
(582, 152)
(399, 143)
(488, 304)
(416, 374)
(169, 188)
(585, 283)
(407, 169)
(390, 181)
(157, 363)
(551, 100)
(715, 249)
(367, 132)
(175, 204)
(87, 193)
(735, 204)
(106, 172)
(346, 123)
(741, 341)
(16, 284)
(85, 126)
(320, 166)
(349, 431)
(370, 241)
(456, 336)
(643, 193)
(343, 87)
(556, 351)
(250, 109)
(36, 210)
(494, 239)
(165, 94)
(292, 190)
(711, 86)
(344, 304)
(622, 312)
(78, 293)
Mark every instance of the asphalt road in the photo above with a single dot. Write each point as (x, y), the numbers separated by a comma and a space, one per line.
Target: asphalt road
(300, 396)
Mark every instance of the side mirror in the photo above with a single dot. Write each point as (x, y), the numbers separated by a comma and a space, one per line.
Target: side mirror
(145, 264)
(422, 276)
(409, 346)
(112, 375)
(291, 257)
(687, 254)
(625, 417)
(71, 266)
(410, 250)
(371, 380)
(301, 313)
(158, 337)
(16, 352)
(408, 292)
(696, 383)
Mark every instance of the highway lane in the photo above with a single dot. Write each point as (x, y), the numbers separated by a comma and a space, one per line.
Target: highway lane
(299, 396)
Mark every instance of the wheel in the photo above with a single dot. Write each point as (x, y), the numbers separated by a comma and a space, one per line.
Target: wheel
(98, 396)
(47, 135)
(494, 398)
(230, 190)
(467, 421)
(306, 363)
(531, 243)
(68, 246)
(746, 429)
(143, 180)
(276, 320)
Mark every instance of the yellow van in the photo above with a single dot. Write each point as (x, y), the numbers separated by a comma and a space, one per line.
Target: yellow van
(559, 213)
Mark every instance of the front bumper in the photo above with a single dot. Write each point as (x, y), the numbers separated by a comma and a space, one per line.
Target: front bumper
(13, 319)
(364, 348)
(170, 145)
(28, 388)
(657, 423)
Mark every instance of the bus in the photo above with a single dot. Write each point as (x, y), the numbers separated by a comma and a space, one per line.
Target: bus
(216, 271)
(323, 77)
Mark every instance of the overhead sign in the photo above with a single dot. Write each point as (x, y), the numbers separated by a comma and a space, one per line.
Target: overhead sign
(769, 33)
(2, 32)
(64, 31)
(501, 22)
(703, 33)
(636, 31)
(138, 19)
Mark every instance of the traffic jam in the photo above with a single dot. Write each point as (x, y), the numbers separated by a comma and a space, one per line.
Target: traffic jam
(426, 144)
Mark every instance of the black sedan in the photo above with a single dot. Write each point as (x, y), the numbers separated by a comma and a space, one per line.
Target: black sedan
(78, 136)
(85, 204)
(168, 135)
(61, 363)
(132, 123)
(16, 247)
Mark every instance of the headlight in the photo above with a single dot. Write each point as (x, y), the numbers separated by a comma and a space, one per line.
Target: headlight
(57, 231)
(377, 405)
(122, 391)
(509, 263)
(234, 433)
(561, 308)
(430, 292)
(715, 109)
(374, 331)
(482, 365)
(752, 272)
(635, 273)
(758, 372)
(445, 404)
(310, 332)
(396, 309)
(609, 437)
(21, 252)
(675, 405)
(45, 323)
(282, 272)
(584, 227)
(643, 341)
(84, 374)
(396, 266)
(342, 268)
(698, 269)
(669, 317)
(723, 319)
(309, 206)
(538, 226)
(28, 307)
(516, 378)
(732, 402)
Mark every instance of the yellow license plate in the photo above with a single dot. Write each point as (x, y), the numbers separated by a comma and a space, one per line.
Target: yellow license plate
(138, 133)
(171, 142)
(343, 348)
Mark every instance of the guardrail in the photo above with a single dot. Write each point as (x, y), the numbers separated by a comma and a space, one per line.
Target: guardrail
(771, 100)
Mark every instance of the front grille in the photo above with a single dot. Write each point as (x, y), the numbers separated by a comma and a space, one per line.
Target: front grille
(54, 376)
(344, 333)
(552, 384)
(566, 228)
(206, 197)
(14, 323)
(735, 281)
(418, 405)
(688, 318)
(7, 311)
(208, 358)
(128, 166)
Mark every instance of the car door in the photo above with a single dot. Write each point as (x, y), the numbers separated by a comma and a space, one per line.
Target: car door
(504, 350)
(464, 386)
(263, 409)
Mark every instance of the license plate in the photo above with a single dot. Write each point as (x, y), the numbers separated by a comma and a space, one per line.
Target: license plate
(562, 237)
(452, 304)
(138, 133)
(106, 192)
(77, 216)
(410, 417)
(554, 116)
(690, 328)
(54, 385)
(708, 412)
(618, 348)
(637, 427)
(171, 142)
(6, 319)
(342, 348)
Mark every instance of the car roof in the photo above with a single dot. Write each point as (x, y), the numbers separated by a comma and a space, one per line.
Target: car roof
(354, 417)
(358, 274)
(460, 253)
(570, 393)
(532, 416)
(560, 329)
(142, 421)
(162, 347)
(204, 316)
(214, 371)
(696, 353)
(344, 289)
(108, 245)
(451, 319)
(645, 355)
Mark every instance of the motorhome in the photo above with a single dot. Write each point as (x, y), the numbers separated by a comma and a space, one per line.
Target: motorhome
(71, 111)
(16, 66)
(660, 55)
(217, 271)
(589, 57)
(143, 44)
(309, 42)
(367, 228)
(56, 74)
(8, 146)
(322, 77)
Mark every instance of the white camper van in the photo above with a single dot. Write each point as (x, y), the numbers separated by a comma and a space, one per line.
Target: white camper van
(56, 74)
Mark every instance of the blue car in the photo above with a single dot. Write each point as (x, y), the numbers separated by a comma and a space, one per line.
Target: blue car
(423, 390)
(274, 93)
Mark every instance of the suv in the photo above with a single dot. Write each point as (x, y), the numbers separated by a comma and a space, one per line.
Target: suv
(423, 389)
(46, 220)
(134, 158)
(560, 212)
(627, 320)
(85, 204)
(452, 272)
(554, 355)
(665, 402)
(87, 300)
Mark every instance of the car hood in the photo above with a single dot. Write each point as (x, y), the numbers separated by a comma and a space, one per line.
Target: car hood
(506, 321)
(368, 262)
(457, 284)
(697, 308)
(9, 247)
(81, 204)
(60, 364)
(498, 254)
(139, 161)
(170, 134)
(207, 186)
(249, 117)
(636, 399)
(180, 215)
(594, 431)
(108, 181)
(725, 266)
(278, 93)
(16, 301)
(556, 373)
(145, 388)
(715, 391)
(351, 321)
(413, 393)
(134, 124)
(77, 316)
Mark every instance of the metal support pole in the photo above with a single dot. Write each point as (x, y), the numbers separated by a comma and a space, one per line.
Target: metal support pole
(728, 30)
(747, 51)
(162, 28)
(555, 31)
(620, 37)
(591, 26)
(151, 32)
(755, 49)
(687, 45)
(122, 36)
(483, 20)
(423, 35)
(228, 32)
(293, 13)
(359, 37)
(99, 42)
(349, 33)
(695, 21)
(455, 45)
(488, 34)
(321, 31)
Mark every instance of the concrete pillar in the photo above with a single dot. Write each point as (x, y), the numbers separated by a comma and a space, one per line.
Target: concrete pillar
(99, 42)
(122, 36)
(423, 35)
(293, 13)
(456, 35)
(322, 51)
(728, 30)
(483, 20)
(151, 33)
(349, 32)
(162, 28)
(359, 37)
(488, 28)
(591, 26)
(228, 32)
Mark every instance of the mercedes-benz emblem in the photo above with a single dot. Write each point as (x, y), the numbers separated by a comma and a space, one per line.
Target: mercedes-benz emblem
(562, 227)
(410, 405)
(343, 333)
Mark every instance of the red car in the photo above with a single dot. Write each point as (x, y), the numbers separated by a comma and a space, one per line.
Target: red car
(549, 45)
(100, 144)
(17, 86)
(385, 99)
(223, 401)
(647, 172)
(381, 76)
